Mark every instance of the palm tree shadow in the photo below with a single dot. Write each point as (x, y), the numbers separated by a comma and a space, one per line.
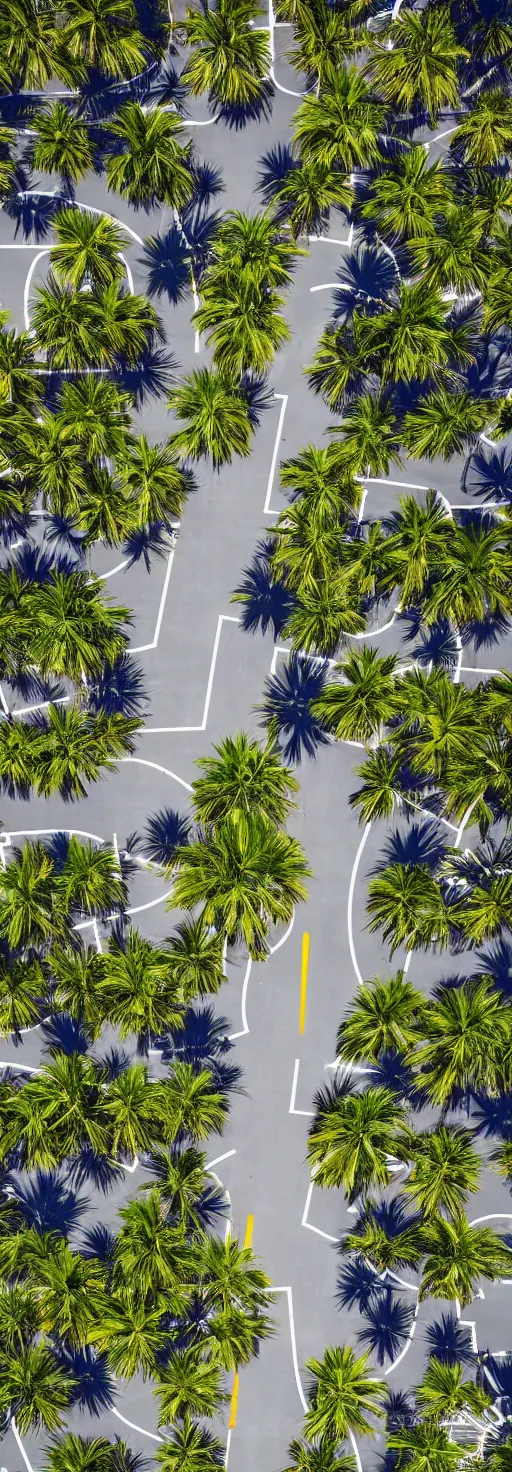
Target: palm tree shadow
(204, 1043)
(96, 1170)
(47, 1204)
(437, 645)
(146, 542)
(400, 1409)
(491, 1117)
(164, 833)
(420, 844)
(392, 1072)
(120, 689)
(274, 167)
(63, 1034)
(208, 184)
(358, 1285)
(170, 88)
(238, 115)
(167, 261)
(32, 214)
(95, 1385)
(496, 962)
(99, 1241)
(488, 475)
(265, 603)
(33, 689)
(487, 632)
(287, 699)
(449, 1341)
(151, 377)
(368, 277)
(387, 1326)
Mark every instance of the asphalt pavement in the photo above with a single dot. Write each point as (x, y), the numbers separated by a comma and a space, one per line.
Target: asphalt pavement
(204, 677)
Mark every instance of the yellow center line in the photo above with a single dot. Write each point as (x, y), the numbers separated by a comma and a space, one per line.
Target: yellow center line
(249, 1228)
(303, 981)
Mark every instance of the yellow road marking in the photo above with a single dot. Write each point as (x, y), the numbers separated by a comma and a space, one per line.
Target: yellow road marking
(234, 1402)
(303, 981)
(249, 1228)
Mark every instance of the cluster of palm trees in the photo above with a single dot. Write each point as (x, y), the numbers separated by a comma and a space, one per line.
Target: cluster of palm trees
(39, 43)
(165, 1297)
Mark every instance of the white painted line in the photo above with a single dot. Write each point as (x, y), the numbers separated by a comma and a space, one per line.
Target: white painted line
(350, 903)
(308, 1113)
(219, 1159)
(152, 1435)
(308, 1225)
(267, 510)
(224, 618)
(164, 770)
(289, 1296)
(20, 1445)
(245, 1025)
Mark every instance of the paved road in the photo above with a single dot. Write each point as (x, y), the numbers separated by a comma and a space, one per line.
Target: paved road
(204, 678)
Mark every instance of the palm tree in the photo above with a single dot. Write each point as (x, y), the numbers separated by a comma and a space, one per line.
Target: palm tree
(416, 62)
(196, 959)
(484, 912)
(131, 1332)
(215, 416)
(19, 385)
(410, 339)
(48, 459)
(243, 323)
(88, 249)
(426, 1448)
(313, 476)
(90, 879)
(188, 1194)
(464, 1038)
(72, 1453)
(190, 1448)
(497, 302)
(22, 992)
(69, 1291)
(387, 1251)
(33, 51)
(244, 778)
(341, 367)
(443, 1392)
(371, 437)
(21, 748)
(485, 132)
(190, 1385)
(418, 535)
(307, 548)
(322, 1455)
(253, 247)
(75, 746)
(444, 424)
(379, 795)
(342, 1395)
(340, 126)
(97, 413)
(323, 41)
(65, 326)
(307, 193)
(366, 698)
(152, 1253)
(77, 631)
(190, 1103)
(459, 1256)
(445, 1169)
(455, 257)
(34, 1388)
(62, 143)
(382, 1019)
(234, 1337)
(352, 1138)
(473, 577)
(126, 326)
(230, 1279)
(229, 58)
(149, 162)
(247, 876)
(103, 34)
(77, 974)
(137, 991)
(325, 616)
(153, 478)
(106, 513)
(31, 908)
(403, 200)
(131, 1112)
(439, 716)
(407, 905)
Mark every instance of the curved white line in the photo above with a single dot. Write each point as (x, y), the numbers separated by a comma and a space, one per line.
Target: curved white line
(28, 283)
(134, 1427)
(284, 937)
(350, 903)
(298, 1382)
(164, 770)
(20, 1445)
(267, 510)
(77, 204)
(407, 1347)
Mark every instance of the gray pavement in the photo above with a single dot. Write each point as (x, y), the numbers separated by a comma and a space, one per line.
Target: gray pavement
(204, 678)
